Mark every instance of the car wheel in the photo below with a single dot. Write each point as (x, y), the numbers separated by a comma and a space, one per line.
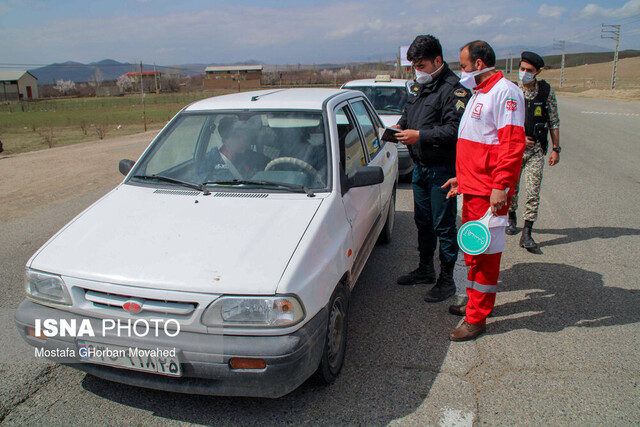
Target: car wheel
(335, 343)
(387, 231)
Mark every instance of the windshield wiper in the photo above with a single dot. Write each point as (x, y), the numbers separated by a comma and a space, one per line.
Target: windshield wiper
(193, 185)
(295, 187)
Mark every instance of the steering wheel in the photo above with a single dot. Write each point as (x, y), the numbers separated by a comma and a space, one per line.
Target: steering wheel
(301, 164)
(392, 108)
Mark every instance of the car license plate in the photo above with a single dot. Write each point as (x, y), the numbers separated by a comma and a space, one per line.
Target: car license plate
(159, 361)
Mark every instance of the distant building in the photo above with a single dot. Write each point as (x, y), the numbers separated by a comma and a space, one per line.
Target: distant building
(18, 86)
(233, 77)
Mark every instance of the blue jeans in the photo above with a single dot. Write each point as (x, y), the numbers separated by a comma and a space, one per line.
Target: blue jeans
(434, 214)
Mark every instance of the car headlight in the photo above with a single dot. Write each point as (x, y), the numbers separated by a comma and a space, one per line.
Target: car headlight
(254, 312)
(44, 287)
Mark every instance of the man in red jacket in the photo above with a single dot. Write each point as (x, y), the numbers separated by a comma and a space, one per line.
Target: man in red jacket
(491, 141)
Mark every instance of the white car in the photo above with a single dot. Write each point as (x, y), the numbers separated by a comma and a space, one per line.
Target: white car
(223, 263)
(388, 97)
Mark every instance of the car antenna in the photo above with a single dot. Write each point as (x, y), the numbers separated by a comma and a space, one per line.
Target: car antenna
(257, 97)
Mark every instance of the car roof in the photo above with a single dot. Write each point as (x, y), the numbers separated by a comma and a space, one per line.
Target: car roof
(373, 82)
(272, 99)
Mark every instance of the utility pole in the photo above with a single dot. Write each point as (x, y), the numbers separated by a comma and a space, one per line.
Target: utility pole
(615, 35)
(558, 45)
(155, 78)
(144, 109)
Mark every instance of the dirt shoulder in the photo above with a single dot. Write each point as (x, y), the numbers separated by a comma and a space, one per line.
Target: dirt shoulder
(32, 181)
(617, 94)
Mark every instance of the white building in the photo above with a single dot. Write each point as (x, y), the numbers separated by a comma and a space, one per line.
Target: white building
(18, 86)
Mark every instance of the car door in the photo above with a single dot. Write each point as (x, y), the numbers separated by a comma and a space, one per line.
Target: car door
(361, 204)
(380, 153)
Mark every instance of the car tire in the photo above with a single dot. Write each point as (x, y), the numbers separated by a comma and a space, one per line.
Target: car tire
(387, 231)
(335, 338)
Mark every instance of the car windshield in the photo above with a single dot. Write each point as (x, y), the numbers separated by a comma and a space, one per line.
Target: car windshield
(385, 99)
(234, 148)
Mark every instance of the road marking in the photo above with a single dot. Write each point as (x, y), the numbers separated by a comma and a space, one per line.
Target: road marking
(611, 114)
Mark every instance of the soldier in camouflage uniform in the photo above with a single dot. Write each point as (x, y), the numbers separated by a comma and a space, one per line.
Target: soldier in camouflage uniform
(541, 119)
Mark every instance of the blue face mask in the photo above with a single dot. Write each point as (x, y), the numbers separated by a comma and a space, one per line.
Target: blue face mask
(526, 77)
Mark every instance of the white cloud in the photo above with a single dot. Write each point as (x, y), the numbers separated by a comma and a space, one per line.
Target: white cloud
(551, 11)
(514, 20)
(627, 10)
(480, 20)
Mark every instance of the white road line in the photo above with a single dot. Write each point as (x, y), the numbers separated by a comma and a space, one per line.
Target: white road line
(611, 114)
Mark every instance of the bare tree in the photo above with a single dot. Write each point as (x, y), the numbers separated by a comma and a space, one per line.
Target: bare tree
(47, 136)
(97, 78)
(102, 129)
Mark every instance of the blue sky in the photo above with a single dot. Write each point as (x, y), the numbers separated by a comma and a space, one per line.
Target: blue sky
(291, 32)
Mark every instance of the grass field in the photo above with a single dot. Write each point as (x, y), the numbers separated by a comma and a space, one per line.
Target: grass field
(33, 125)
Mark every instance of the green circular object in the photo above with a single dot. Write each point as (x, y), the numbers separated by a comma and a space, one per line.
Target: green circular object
(474, 237)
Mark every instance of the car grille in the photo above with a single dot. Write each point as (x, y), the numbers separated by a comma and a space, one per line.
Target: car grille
(116, 302)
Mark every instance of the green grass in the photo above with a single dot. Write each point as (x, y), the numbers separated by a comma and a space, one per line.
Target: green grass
(21, 125)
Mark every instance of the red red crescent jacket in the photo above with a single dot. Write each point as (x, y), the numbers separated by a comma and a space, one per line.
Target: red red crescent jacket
(491, 138)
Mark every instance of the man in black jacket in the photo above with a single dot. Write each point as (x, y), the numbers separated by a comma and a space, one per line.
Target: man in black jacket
(429, 126)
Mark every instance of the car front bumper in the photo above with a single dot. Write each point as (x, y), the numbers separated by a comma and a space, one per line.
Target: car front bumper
(204, 358)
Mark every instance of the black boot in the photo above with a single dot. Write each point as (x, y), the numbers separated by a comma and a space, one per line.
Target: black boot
(526, 241)
(424, 274)
(511, 228)
(445, 286)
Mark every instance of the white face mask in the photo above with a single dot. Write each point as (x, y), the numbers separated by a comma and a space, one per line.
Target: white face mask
(426, 78)
(468, 80)
(526, 77)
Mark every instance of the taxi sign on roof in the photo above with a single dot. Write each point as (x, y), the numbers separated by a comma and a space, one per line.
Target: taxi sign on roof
(383, 78)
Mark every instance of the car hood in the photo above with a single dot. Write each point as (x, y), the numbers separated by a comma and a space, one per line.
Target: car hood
(137, 236)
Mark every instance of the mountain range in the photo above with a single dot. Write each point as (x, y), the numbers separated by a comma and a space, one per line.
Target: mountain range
(111, 69)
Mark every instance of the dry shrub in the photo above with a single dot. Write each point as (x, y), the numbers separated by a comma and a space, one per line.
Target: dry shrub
(47, 136)
(102, 129)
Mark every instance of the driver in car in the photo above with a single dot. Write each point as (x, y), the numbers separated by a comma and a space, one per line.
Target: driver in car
(234, 159)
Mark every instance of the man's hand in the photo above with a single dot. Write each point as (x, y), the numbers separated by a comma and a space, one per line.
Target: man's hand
(554, 158)
(453, 191)
(408, 136)
(498, 200)
(530, 142)
(396, 127)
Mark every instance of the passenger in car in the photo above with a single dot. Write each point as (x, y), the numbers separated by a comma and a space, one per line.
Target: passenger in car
(234, 159)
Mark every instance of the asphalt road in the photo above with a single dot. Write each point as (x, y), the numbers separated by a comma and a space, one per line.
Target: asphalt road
(562, 347)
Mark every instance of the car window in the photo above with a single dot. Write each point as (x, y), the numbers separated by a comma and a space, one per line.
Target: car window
(387, 100)
(178, 146)
(368, 127)
(281, 146)
(351, 151)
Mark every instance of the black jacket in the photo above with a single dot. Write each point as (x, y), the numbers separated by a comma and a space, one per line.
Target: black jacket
(435, 110)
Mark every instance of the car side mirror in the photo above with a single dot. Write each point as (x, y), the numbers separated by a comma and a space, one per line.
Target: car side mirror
(125, 166)
(365, 176)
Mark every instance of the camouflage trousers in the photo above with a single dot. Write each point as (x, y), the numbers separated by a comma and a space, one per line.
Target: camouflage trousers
(531, 172)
